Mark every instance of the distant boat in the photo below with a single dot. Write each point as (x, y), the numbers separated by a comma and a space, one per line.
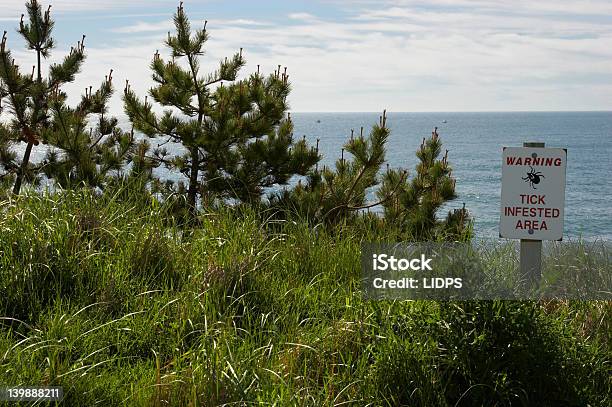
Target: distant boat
(318, 121)
(443, 121)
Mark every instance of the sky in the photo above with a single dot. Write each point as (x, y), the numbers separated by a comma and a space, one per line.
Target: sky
(351, 56)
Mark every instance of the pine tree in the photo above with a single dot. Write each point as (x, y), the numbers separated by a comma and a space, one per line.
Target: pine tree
(236, 134)
(77, 154)
(331, 195)
(25, 92)
(409, 205)
(413, 209)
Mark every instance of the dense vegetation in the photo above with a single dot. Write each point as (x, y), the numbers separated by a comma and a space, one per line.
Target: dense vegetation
(232, 142)
(104, 297)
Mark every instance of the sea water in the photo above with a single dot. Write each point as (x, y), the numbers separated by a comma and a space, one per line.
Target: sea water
(475, 142)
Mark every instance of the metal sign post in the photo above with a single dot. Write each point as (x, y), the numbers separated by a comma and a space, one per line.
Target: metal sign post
(532, 201)
(531, 250)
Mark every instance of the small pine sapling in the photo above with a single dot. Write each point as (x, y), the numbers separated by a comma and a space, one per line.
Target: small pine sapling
(413, 209)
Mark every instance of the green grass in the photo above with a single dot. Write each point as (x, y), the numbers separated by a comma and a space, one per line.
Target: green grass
(111, 301)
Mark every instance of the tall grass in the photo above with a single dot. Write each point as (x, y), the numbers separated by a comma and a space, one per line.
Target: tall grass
(106, 297)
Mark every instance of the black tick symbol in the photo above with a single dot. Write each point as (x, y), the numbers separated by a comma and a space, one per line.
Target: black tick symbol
(533, 177)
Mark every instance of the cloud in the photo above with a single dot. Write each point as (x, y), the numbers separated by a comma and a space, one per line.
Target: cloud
(81, 5)
(11, 10)
(569, 7)
(144, 27)
(438, 55)
(302, 16)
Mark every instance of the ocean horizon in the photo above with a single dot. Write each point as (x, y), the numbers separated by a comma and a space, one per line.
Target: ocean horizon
(475, 141)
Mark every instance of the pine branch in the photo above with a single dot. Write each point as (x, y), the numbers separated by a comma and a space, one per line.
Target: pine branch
(14, 82)
(66, 71)
(382, 201)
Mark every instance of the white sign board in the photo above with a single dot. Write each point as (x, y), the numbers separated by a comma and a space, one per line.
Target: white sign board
(533, 193)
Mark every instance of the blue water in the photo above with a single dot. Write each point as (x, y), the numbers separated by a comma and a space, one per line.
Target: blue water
(475, 142)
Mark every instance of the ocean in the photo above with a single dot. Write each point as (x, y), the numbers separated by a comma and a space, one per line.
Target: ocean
(475, 142)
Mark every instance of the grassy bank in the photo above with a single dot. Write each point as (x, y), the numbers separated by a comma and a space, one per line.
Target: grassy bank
(114, 303)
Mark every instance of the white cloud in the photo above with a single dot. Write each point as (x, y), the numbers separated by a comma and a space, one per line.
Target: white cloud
(570, 7)
(164, 26)
(302, 16)
(80, 5)
(407, 55)
(142, 26)
(11, 10)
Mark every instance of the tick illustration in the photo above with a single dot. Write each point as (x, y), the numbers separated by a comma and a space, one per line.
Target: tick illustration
(533, 177)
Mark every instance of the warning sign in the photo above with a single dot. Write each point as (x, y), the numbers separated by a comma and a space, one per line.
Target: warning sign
(533, 193)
